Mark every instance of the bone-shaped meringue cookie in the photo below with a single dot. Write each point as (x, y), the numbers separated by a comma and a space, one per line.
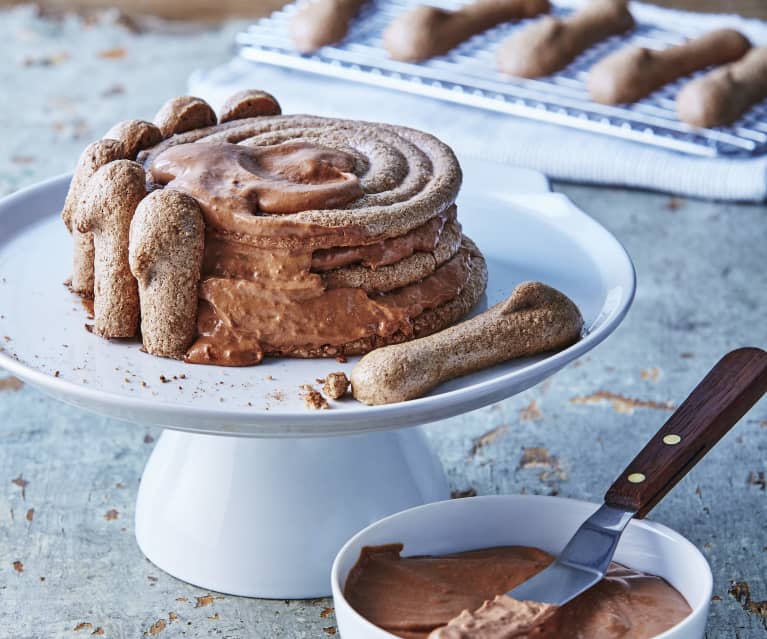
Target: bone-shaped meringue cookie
(184, 113)
(534, 319)
(111, 198)
(426, 31)
(550, 44)
(167, 240)
(632, 73)
(723, 95)
(322, 22)
(91, 160)
(136, 135)
(249, 103)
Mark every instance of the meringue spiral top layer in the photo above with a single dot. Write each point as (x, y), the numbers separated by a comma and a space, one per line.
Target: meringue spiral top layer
(400, 178)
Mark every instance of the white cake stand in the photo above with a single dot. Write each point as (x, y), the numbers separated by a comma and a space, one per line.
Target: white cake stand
(247, 492)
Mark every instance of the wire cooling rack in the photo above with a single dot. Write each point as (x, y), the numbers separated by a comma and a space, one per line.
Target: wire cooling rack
(467, 75)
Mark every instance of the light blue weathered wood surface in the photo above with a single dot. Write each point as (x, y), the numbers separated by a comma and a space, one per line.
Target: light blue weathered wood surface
(69, 564)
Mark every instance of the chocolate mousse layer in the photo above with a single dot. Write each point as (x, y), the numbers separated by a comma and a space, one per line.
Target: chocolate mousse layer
(232, 180)
(240, 320)
(385, 252)
(455, 596)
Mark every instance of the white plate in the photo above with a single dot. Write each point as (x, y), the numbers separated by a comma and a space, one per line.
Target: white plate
(528, 520)
(529, 236)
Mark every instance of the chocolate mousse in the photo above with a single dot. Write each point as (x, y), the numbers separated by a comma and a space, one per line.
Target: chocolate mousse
(461, 596)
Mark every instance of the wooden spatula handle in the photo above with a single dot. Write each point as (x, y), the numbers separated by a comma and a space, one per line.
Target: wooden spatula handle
(730, 389)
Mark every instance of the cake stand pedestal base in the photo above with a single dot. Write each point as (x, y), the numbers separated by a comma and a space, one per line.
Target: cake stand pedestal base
(265, 517)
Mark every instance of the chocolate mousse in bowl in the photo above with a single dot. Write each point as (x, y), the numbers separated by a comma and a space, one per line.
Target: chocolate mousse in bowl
(435, 596)
(250, 233)
(430, 572)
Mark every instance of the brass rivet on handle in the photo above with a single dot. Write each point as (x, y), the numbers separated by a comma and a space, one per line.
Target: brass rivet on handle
(672, 440)
(636, 478)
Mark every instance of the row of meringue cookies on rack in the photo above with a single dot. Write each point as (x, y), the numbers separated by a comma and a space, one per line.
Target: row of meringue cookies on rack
(549, 44)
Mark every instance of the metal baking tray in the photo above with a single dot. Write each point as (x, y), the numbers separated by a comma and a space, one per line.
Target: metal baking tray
(467, 75)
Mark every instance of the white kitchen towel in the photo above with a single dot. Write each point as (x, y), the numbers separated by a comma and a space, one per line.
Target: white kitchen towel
(557, 151)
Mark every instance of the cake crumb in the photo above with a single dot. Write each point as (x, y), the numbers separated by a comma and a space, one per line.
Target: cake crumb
(315, 401)
(341, 359)
(336, 385)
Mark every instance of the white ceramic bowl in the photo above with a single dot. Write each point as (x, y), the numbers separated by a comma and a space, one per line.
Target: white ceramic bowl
(543, 522)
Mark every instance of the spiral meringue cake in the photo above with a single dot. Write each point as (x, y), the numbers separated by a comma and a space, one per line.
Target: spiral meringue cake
(303, 236)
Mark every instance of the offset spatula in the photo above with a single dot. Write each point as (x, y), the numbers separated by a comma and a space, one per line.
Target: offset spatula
(733, 386)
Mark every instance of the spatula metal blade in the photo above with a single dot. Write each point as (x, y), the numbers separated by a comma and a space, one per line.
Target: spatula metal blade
(582, 563)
